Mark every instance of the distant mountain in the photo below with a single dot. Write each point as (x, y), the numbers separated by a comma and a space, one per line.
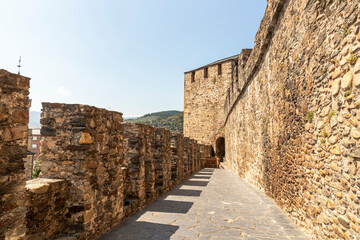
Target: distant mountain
(171, 120)
(34, 119)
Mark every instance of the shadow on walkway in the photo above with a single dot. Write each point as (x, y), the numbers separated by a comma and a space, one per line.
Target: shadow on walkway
(169, 206)
(133, 230)
(196, 183)
(201, 177)
(186, 192)
(203, 174)
(227, 207)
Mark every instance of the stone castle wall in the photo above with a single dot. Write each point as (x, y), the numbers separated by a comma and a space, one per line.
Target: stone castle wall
(83, 145)
(14, 119)
(203, 101)
(112, 169)
(292, 118)
(95, 171)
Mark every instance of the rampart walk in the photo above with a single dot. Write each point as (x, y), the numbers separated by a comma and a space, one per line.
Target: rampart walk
(290, 125)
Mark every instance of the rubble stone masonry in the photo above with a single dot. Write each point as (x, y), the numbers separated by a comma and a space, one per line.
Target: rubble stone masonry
(177, 158)
(162, 160)
(112, 170)
(46, 208)
(14, 119)
(205, 93)
(292, 118)
(289, 110)
(95, 171)
(134, 149)
(83, 145)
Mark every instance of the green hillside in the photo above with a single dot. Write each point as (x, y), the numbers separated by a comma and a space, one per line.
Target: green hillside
(171, 120)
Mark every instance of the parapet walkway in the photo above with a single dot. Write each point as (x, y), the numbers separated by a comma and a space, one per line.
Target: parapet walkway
(212, 204)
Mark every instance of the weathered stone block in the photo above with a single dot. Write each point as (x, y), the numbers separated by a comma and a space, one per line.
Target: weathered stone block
(346, 82)
(85, 138)
(47, 131)
(46, 208)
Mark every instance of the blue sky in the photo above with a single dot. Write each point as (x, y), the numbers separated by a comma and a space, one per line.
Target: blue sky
(128, 56)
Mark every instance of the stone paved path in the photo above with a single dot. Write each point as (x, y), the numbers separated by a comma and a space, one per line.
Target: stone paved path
(212, 204)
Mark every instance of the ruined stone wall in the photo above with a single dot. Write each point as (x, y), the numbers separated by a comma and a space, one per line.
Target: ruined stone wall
(83, 145)
(46, 208)
(14, 118)
(203, 102)
(292, 120)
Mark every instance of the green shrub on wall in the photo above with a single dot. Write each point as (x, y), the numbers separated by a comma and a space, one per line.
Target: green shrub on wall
(36, 169)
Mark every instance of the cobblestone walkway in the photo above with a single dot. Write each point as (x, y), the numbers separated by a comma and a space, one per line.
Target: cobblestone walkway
(212, 204)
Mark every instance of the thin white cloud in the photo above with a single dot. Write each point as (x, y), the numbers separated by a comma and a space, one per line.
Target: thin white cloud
(63, 92)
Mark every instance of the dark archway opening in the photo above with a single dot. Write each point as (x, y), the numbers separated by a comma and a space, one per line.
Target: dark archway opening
(220, 148)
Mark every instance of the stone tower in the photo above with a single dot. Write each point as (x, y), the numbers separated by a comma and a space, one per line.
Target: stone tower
(204, 97)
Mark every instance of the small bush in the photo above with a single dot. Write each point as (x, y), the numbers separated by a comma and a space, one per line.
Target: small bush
(36, 169)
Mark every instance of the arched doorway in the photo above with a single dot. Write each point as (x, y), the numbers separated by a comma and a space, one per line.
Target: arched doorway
(220, 148)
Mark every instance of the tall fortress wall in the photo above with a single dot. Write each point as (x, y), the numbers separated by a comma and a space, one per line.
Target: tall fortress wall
(205, 93)
(291, 116)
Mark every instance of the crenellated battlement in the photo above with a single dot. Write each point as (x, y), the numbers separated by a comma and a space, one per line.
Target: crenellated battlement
(212, 71)
(113, 169)
(95, 171)
(204, 97)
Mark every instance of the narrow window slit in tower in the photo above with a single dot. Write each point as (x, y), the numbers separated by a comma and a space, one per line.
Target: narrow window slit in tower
(205, 72)
(236, 71)
(192, 77)
(219, 69)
